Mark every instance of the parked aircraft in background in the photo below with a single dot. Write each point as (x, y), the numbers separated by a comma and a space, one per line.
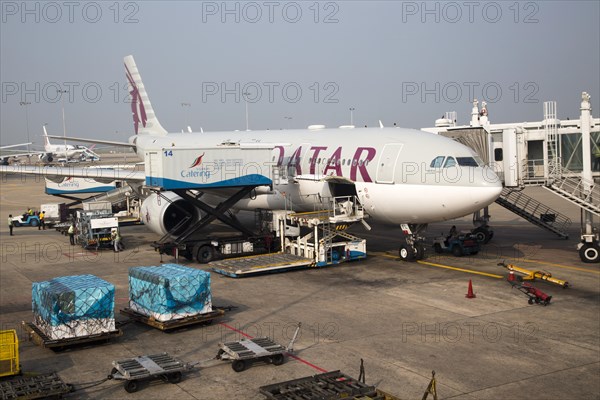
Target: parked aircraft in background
(66, 152)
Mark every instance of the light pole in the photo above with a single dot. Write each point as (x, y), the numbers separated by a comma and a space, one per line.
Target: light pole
(246, 94)
(352, 115)
(186, 114)
(289, 123)
(62, 101)
(25, 104)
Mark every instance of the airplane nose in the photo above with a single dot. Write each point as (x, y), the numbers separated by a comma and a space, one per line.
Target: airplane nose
(488, 190)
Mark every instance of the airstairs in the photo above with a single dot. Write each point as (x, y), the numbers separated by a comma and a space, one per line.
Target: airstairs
(535, 212)
(572, 187)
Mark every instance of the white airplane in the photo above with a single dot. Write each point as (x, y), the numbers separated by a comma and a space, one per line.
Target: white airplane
(401, 176)
(65, 152)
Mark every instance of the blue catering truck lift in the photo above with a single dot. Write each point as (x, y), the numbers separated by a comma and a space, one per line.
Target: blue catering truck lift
(229, 169)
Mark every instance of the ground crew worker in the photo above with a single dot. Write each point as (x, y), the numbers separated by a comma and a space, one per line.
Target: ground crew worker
(30, 211)
(116, 238)
(71, 233)
(42, 221)
(10, 224)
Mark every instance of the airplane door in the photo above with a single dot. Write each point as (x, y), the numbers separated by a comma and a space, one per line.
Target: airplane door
(387, 162)
(152, 168)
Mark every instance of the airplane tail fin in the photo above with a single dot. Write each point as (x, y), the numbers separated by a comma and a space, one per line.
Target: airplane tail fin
(45, 135)
(144, 119)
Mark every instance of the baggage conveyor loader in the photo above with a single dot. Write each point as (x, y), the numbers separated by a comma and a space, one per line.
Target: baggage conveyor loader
(530, 275)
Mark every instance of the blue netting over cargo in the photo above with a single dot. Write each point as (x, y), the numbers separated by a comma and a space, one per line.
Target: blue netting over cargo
(69, 298)
(169, 291)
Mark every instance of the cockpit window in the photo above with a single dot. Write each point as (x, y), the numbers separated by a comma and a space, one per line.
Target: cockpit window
(437, 162)
(467, 162)
(450, 162)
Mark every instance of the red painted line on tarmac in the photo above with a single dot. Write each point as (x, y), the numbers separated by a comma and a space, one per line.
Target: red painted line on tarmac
(307, 363)
(235, 330)
(289, 355)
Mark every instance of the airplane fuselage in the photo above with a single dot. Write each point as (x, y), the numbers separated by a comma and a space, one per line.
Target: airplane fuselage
(399, 175)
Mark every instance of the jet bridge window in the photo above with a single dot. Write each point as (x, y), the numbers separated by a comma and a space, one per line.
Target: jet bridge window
(437, 162)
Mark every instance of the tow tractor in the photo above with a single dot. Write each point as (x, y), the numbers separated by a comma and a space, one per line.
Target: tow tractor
(464, 243)
(26, 220)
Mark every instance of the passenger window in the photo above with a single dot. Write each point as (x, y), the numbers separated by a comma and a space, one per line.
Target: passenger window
(450, 162)
(437, 162)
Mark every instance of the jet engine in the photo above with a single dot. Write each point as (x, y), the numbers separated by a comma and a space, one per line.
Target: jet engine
(168, 213)
(46, 157)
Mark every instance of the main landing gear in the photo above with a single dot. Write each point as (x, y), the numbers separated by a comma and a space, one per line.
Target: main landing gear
(412, 248)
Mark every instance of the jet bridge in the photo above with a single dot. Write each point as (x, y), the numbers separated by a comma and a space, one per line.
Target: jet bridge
(561, 156)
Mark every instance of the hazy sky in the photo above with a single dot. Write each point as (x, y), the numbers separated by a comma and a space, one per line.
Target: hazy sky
(301, 62)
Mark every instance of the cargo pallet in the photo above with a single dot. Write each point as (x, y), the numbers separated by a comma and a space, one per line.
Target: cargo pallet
(155, 366)
(38, 337)
(35, 387)
(329, 385)
(246, 351)
(200, 319)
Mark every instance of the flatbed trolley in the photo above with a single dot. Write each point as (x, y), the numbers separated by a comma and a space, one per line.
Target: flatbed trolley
(244, 352)
(155, 366)
(34, 387)
(38, 337)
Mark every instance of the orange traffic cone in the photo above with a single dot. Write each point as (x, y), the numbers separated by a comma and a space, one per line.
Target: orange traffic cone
(470, 294)
(511, 276)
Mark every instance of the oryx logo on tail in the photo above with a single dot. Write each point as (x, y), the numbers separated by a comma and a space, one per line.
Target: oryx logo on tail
(136, 102)
(197, 161)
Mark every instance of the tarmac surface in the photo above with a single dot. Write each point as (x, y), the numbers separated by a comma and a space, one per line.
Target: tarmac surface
(404, 319)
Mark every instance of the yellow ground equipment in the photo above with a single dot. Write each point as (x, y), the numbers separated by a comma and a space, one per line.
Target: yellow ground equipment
(529, 275)
(9, 353)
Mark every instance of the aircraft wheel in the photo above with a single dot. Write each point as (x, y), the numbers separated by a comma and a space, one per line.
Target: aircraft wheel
(483, 235)
(589, 253)
(406, 253)
(419, 251)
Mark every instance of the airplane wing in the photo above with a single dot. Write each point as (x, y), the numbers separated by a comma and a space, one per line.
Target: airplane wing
(85, 140)
(97, 174)
(14, 145)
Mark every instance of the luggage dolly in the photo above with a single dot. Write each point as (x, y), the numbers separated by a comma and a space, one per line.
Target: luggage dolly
(246, 351)
(156, 366)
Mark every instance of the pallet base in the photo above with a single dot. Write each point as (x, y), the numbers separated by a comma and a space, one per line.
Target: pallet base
(38, 337)
(201, 319)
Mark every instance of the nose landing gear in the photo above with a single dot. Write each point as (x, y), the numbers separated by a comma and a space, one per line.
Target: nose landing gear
(412, 248)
